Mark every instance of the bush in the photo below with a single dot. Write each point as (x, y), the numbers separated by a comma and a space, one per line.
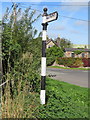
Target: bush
(77, 52)
(24, 69)
(53, 53)
(64, 101)
(50, 61)
(86, 62)
(70, 62)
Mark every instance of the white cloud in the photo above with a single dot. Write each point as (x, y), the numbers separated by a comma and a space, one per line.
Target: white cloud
(60, 27)
(74, 31)
(57, 27)
(73, 6)
(73, 10)
(81, 23)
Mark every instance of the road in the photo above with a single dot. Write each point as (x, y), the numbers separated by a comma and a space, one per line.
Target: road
(76, 77)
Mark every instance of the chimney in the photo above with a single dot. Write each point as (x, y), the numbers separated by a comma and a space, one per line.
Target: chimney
(58, 41)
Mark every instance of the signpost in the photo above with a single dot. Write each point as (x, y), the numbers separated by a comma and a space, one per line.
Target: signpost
(51, 17)
(46, 18)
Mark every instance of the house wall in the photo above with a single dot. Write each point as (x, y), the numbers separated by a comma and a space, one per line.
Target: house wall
(51, 44)
(69, 54)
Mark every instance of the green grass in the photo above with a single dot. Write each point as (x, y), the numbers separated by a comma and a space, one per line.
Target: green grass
(69, 68)
(64, 101)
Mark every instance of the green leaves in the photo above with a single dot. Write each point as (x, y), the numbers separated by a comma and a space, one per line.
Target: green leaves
(64, 101)
(77, 52)
(17, 36)
(65, 43)
(70, 62)
(53, 53)
(21, 52)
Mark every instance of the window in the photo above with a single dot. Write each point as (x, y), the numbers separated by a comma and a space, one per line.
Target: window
(83, 55)
(72, 55)
(49, 46)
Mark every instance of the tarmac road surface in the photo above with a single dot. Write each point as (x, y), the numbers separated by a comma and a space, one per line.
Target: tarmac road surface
(76, 77)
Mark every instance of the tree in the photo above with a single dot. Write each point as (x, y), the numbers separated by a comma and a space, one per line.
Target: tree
(16, 42)
(53, 53)
(77, 52)
(64, 43)
(35, 49)
(16, 36)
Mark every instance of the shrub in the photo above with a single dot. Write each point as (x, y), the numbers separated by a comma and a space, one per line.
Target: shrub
(78, 63)
(77, 52)
(86, 62)
(70, 62)
(50, 61)
(25, 69)
(53, 53)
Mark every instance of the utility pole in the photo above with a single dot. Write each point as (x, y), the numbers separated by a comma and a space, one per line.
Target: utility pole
(46, 18)
(14, 12)
(0, 50)
(58, 41)
(14, 8)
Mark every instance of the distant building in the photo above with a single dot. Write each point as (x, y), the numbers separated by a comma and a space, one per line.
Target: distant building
(51, 43)
(81, 46)
(69, 52)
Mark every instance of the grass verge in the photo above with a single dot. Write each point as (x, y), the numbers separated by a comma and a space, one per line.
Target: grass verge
(63, 100)
(69, 68)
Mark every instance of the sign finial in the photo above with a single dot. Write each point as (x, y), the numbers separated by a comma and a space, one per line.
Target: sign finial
(45, 11)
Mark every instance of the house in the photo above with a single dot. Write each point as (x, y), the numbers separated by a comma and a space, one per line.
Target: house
(70, 52)
(51, 43)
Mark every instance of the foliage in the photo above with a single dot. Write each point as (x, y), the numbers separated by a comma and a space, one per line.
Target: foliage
(35, 49)
(74, 62)
(70, 62)
(53, 53)
(21, 60)
(86, 62)
(65, 43)
(63, 101)
(77, 52)
(24, 69)
(16, 36)
(24, 105)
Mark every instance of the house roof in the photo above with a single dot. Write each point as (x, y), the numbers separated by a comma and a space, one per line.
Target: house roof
(52, 41)
(74, 49)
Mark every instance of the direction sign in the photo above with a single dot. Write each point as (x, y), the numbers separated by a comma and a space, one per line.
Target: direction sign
(46, 18)
(51, 17)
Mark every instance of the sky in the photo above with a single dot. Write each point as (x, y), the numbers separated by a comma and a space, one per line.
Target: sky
(72, 29)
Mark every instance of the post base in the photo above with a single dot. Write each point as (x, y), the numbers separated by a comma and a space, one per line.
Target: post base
(42, 97)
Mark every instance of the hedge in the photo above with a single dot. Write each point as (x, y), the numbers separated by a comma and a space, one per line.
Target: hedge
(74, 62)
(86, 62)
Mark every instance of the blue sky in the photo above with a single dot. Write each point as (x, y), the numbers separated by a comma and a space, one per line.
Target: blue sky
(74, 30)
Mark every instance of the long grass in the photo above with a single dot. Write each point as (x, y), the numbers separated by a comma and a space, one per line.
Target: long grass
(23, 105)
